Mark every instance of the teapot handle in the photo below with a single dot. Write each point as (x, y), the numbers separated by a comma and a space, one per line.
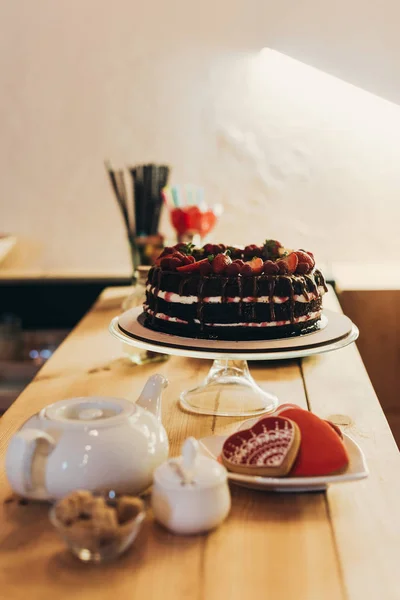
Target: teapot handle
(21, 452)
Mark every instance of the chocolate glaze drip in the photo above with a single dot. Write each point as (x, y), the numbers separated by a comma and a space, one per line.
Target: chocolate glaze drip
(223, 289)
(313, 283)
(271, 289)
(303, 287)
(182, 286)
(253, 306)
(158, 284)
(153, 277)
(291, 299)
(321, 279)
(240, 286)
(200, 305)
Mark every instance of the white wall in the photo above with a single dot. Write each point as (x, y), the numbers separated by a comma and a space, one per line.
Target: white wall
(290, 152)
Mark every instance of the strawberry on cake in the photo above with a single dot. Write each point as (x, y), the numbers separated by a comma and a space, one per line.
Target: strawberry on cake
(256, 292)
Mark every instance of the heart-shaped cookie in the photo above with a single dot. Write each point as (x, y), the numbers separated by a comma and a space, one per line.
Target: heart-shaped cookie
(282, 407)
(267, 449)
(322, 452)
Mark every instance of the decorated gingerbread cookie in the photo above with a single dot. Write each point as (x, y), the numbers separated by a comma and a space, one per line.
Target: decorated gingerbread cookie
(322, 452)
(268, 449)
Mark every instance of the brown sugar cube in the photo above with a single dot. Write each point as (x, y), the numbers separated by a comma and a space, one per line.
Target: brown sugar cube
(85, 501)
(104, 521)
(69, 509)
(127, 509)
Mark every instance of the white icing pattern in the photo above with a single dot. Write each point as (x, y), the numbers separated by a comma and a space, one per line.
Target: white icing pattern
(268, 448)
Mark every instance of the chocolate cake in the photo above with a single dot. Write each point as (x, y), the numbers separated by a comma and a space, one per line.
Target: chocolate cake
(257, 292)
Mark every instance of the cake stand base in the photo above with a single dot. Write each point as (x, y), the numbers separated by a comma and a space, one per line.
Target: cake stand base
(229, 391)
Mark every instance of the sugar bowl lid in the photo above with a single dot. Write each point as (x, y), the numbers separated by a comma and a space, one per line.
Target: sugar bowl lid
(191, 470)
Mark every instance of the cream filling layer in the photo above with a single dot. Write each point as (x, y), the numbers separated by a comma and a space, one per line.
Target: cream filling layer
(176, 298)
(302, 319)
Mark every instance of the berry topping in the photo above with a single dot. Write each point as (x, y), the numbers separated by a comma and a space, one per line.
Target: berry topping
(233, 269)
(282, 266)
(252, 251)
(304, 259)
(256, 265)
(167, 250)
(246, 270)
(271, 248)
(170, 263)
(288, 264)
(183, 248)
(193, 267)
(188, 259)
(270, 268)
(303, 268)
(205, 268)
(179, 246)
(214, 248)
(235, 252)
(179, 255)
(220, 262)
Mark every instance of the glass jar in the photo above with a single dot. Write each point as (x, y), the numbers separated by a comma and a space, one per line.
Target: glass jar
(134, 299)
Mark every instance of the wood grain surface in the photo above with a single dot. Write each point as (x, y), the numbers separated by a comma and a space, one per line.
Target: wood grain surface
(342, 544)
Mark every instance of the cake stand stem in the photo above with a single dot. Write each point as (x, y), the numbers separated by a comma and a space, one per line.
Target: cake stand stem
(228, 390)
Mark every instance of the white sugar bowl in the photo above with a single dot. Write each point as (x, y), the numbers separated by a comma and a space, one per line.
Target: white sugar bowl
(190, 493)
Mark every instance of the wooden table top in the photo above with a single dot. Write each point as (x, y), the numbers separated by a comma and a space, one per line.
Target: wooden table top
(343, 544)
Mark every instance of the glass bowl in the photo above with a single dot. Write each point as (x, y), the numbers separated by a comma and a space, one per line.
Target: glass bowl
(192, 222)
(94, 544)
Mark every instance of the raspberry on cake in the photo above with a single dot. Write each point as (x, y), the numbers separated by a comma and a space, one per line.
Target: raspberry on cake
(259, 292)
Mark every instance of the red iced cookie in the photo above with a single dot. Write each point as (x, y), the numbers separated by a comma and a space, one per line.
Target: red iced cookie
(321, 452)
(282, 407)
(267, 449)
(335, 428)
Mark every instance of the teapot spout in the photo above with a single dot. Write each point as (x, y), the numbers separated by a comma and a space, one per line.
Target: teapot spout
(150, 398)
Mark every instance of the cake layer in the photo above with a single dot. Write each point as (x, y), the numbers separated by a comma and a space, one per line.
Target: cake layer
(176, 298)
(237, 332)
(233, 312)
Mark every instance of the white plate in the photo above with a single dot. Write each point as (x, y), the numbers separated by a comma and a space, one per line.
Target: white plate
(357, 469)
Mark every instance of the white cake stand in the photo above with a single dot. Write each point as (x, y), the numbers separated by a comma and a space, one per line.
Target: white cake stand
(229, 389)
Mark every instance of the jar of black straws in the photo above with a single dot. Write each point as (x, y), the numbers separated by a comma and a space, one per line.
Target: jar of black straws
(141, 210)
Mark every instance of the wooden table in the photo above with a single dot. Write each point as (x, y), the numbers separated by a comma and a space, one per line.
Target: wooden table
(343, 544)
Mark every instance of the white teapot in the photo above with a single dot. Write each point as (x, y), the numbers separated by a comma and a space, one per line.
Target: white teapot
(94, 443)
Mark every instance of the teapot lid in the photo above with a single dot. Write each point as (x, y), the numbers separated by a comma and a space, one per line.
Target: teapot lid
(95, 411)
(191, 470)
